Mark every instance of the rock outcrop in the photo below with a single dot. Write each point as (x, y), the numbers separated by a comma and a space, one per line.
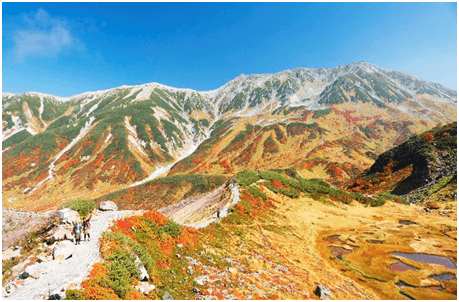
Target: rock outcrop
(416, 168)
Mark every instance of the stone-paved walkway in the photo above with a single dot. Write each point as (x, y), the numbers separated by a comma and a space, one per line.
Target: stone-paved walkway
(74, 270)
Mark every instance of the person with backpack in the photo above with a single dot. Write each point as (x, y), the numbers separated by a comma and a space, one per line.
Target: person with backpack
(77, 231)
(86, 227)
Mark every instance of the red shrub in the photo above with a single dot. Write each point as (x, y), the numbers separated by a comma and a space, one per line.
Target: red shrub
(224, 164)
(123, 224)
(240, 208)
(278, 184)
(157, 217)
(428, 136)
(433, 205)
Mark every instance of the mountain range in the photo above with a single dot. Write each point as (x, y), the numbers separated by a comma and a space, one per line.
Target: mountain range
(326, 123)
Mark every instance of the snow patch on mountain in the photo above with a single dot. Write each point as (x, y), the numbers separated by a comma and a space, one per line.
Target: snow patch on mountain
(31, 131)
(109, 136)
(18, 127)
(160, 170)
(133, 90)
(133, 138)
(145, 93)
(85, 130)
(94, 107)
(160, 113)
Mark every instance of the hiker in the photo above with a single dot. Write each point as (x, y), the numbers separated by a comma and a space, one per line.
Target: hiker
(218, 214)
(86, 227)
(77, 231)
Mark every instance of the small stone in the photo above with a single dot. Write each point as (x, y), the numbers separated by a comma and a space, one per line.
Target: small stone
(10, 288)
(179, 245)
(167, 296)
(24, 275)
(196, 291)
(177, 255)
(322, 292)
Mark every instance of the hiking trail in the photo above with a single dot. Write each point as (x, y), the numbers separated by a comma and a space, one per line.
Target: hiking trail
(73, 270)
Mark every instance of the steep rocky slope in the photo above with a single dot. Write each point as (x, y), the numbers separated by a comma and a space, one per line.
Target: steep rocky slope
(418, 168)
(329, 123)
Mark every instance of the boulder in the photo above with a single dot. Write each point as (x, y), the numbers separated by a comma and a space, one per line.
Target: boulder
(322, 292)
(10, 254)
(167, 296)
(74, 216)
(24, 275)
(62, 233)
(145, 288)
(63, 250)
(108, 206)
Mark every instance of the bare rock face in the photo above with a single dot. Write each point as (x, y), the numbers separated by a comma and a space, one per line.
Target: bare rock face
(63, 250)
(108, 206)
(323, 292)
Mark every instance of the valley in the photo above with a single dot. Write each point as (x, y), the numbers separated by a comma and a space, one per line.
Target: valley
(269, 187)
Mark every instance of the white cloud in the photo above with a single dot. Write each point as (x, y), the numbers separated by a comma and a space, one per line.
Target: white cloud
(44, 36)
(41, 43)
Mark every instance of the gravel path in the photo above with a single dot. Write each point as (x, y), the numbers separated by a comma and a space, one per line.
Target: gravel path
(223, 213)
(74, 270)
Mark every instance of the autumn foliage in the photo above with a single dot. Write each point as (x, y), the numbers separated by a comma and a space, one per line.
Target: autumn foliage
(158, 218)
(428, 136)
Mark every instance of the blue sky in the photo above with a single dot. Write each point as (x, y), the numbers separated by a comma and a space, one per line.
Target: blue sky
(68, 48)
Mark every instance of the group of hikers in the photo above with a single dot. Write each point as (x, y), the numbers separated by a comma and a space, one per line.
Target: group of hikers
(79, 228)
